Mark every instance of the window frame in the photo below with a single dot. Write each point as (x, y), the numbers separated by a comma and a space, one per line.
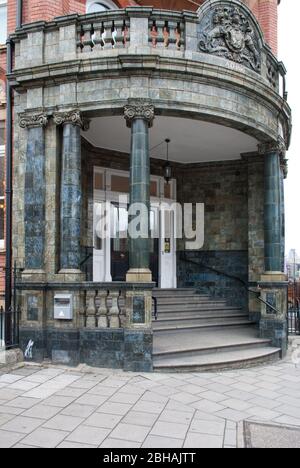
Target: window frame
(106, 3)
(4, 4)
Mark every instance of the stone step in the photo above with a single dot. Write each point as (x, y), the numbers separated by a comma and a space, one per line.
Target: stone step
(168, 319)
(202, 325)
(177, 292)
(189, 300)
(173, 314)
(189, 351)
(225, 360)
(196, 309)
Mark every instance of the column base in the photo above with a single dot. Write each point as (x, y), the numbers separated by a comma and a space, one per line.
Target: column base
(71, 274)
(139, 275)
(34, 276)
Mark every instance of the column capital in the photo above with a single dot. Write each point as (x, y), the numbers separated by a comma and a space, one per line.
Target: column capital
(139, 110)
(27, 120)
(73, 117)
(273, 146)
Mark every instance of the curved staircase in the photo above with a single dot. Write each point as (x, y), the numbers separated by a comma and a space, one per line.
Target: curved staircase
(197, 333)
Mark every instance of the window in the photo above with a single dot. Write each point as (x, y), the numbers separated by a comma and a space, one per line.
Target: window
(3, 21)
(93, 7)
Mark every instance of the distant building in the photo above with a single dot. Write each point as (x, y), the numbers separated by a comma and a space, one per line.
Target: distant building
(293, 264)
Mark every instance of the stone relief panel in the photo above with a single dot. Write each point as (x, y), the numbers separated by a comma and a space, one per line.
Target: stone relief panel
(227, 30)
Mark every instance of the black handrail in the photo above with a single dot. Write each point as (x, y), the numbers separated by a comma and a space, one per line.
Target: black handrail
(184, 258)
(154, 300)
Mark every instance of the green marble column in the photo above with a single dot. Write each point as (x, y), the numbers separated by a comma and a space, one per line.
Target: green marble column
(35, 190)
(71, 190)
(139, 117)
(273, 219)
(283, 176)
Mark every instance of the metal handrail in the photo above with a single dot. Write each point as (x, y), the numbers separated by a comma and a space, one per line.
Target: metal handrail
(236, 278)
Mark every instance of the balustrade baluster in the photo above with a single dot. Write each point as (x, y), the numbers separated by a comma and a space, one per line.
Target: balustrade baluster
(102, 309)
(90, 309)
(114, 319)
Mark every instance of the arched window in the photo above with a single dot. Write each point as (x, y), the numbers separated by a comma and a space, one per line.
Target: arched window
(93, 6)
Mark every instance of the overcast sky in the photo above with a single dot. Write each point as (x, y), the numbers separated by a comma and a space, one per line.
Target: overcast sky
(289, 13)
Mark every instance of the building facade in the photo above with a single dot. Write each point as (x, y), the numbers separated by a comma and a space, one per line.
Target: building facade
(97, 97)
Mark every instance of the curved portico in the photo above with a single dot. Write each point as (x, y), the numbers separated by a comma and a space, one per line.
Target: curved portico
(221, 103)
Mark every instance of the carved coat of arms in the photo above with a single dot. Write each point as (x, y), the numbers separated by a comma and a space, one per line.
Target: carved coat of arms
(228, 33)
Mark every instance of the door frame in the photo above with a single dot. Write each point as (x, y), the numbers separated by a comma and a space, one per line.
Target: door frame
(167, 274)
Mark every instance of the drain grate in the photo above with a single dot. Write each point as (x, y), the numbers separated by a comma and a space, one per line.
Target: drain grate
(258, 435)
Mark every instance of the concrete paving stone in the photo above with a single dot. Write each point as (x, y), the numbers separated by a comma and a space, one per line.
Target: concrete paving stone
(165, 391)
(70, 392)
(213, 396)
(153, 397)
(171, 382)
(266, 394)
(268, 385)
(106, 421)
(140, 419)
(25, 371)
(88, 435)
(291, 378)
(288, 400)
(7, 395)
(207, 416)
(232, 415)
(121, 397)
(244, 387)
(239, 395)
(271, 436)
(190, 388)
(62, 422)
(207, 406)
(22, 446)
(119, 409)
(36, 378)
(115, 383)
(84, 384)
(100, 390)
(5, 409)
(289, 391)
(262, 414)
(3, 385)
(265, 403)
(235, 404)
(41, 411)
(23, 402)
(149, 407)
(287, 420)
(4, 418)
(45, 438)
(9, 378)
(22, 424)
(175, 417)
(272, 379)
(179, 407)
(59, 401)
(218, 388)
(91, 400)
(207, 427)
(162, 442)
(224, 380)
(247, 380)
(173, 430)
(9, 439)
(116, 443)
(75, 445)
(130, 432)
(289, 411)
(230, 438)
(42, 392)
(80, 411)
(231, 425)
(24, 386)
(196, 440)
(186, 398)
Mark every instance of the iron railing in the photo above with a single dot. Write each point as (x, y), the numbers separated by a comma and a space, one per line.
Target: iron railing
(9, 327)
(293, 321)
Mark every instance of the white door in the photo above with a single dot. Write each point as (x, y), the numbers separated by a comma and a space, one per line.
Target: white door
(168, 277)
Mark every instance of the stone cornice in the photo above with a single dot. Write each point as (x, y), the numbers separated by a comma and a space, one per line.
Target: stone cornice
(139, 110)
(73, 117)
(33, 120)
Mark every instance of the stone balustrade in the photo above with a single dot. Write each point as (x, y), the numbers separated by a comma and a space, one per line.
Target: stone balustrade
(140, 31)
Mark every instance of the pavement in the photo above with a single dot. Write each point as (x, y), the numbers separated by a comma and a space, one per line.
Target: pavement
(52, 406)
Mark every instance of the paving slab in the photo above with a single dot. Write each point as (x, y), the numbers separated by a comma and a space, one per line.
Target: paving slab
(270, 436)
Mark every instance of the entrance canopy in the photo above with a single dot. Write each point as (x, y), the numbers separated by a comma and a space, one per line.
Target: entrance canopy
(192, 141)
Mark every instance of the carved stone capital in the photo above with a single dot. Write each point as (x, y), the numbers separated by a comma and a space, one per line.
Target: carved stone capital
(272, 147)
(73, 117)
(139, 110)
(284, 165)
(33, 120)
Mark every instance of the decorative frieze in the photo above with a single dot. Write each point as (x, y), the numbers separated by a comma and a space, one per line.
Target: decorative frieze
(230, 31)
(139, 110)
(33, 120)
(73, 117)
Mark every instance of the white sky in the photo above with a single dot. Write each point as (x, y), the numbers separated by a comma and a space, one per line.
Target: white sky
(289, 13)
